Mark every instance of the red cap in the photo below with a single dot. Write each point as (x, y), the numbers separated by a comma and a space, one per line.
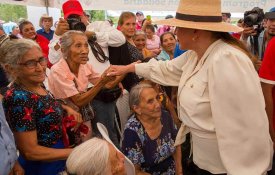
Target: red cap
(72, 7)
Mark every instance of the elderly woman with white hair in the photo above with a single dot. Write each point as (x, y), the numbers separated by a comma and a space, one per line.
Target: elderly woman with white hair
(95, 157)
(33, 114)
(220, 100)
(71, 76)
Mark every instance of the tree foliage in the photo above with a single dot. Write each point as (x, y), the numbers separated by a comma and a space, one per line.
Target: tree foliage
(12, 12)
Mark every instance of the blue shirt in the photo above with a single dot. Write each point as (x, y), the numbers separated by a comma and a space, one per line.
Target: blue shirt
(49, 35)
(178, 51)
(7, 145)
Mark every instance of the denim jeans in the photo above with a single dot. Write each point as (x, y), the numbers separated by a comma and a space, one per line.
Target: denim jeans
(105, 114)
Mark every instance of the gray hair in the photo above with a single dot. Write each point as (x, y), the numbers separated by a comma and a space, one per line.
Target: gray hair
(67, 41)
(91, 157)
(12, 51)
(139, 32)
(134, 97)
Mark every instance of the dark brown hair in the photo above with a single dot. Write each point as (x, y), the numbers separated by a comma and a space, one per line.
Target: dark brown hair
(166, 33)
(229, 39)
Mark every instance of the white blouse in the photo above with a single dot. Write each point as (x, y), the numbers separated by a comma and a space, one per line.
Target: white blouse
(220, 102)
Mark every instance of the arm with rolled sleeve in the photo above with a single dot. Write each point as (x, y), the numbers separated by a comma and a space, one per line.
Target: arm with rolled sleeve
(238, 112)
(106, 35)
(54, 55)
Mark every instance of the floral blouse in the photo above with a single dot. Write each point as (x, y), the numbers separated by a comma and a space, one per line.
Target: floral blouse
(154, 156)
(27, 111)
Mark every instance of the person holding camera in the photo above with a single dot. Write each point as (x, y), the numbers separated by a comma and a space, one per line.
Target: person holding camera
(102, 35)
(255, 35)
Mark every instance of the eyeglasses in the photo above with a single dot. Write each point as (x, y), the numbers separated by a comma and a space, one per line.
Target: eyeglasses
(32, 63)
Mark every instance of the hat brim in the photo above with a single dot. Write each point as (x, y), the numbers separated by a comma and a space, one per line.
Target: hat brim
(73, 13)
(129, 166)
(210, 26)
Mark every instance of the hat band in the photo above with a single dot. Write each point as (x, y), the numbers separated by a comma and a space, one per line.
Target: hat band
(197, 18)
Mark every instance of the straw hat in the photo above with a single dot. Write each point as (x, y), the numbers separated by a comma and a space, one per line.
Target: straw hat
(129, 166)
(45, 16)
(200, 14)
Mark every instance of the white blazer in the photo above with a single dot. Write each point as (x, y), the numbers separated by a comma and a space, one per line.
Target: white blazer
(220, 102)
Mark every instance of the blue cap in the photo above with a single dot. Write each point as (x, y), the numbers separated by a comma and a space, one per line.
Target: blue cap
(270, 14)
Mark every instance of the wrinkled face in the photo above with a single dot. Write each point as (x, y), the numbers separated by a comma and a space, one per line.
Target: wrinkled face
(149, 105)
(128, 28)
(28, 32)
(116, 160)
(140, 41)
(184, 36)
(33, 74)
(168, 43)
(47, 23)
(149, 33)
(79, 50)
(270, 27)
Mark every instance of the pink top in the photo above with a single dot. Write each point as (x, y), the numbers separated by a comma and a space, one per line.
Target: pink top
(153, 43)
(61, 79)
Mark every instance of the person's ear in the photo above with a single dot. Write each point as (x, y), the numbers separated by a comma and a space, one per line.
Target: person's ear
(136, 109)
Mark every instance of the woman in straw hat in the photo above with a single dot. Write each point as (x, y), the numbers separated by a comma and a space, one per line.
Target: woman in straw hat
(230, 133)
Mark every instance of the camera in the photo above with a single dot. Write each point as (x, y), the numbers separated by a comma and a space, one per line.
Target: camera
(76, 24)
(254, 18)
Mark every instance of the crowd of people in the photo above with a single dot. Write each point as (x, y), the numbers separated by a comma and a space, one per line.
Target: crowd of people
(201, 93)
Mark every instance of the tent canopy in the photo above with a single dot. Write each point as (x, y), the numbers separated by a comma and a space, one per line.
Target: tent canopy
(151, 5)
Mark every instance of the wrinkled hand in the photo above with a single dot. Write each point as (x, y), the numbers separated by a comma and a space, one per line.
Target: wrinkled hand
(105, 78)
(77, 116)
(62, 27)
(17, 169)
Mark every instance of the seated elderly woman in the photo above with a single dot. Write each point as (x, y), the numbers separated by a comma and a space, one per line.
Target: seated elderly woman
(150, 134)
(33, 114)
(140, 41)
(98, 157)
(70, 76)
(168, 45)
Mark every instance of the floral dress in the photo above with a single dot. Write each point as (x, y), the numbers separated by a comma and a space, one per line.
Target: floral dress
(27, 111)
(153, 156)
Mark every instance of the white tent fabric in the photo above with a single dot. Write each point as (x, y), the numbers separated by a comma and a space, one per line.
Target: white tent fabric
(151, 5)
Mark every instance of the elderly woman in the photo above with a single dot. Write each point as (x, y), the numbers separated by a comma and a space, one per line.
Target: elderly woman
(71, 76)
(99, 157)
(168, 44)
(95, 156)
(27, 30)
(230, 131)
(140, 42)
(150, 134)
(33, 114)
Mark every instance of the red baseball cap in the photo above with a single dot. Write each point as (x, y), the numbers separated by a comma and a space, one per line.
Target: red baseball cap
(72, 7)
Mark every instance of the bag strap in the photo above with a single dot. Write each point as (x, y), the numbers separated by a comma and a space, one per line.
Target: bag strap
(97, 51)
